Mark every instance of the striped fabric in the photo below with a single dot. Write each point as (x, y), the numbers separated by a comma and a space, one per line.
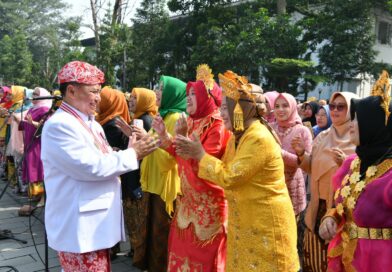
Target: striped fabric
(315, 249)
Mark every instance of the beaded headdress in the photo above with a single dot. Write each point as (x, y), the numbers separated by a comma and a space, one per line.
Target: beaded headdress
(233, 86)
(382, 88)
(204, 73)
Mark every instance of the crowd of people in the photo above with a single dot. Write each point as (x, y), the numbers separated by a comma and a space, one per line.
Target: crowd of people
(204, 176)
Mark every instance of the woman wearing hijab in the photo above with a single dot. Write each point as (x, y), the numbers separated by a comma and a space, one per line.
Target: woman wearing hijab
(329, 150)
(323, 120)
(113, 105)
(270, 103)
(159, 176)
(261, 225)
(311, 108)
(142, 106)
(197, 237)
(33, 172)
(287, 126)
(360, 225)
(16, 144)
(17, 101)
(5, 104)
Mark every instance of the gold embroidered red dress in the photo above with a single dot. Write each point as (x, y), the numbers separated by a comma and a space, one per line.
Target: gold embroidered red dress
(197, 239)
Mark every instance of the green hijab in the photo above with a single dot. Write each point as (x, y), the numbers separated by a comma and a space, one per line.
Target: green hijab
(173, 95)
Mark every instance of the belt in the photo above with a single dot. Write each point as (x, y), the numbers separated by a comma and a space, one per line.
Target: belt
(355, 232)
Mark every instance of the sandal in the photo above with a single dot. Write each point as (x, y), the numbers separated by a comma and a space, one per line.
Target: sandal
(25, 210)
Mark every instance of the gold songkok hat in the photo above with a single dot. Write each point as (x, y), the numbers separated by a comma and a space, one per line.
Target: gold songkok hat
(235, 87)
(382, 88)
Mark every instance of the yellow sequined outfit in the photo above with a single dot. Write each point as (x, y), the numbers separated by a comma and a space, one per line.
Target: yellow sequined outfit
(262, 232)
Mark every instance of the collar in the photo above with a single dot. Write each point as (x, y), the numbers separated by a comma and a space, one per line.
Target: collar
(86, 118)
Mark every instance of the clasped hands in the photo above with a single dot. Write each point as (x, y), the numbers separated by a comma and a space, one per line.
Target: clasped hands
(186, 147)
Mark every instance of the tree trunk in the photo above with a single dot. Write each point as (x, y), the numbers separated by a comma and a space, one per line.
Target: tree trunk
(94, 12)
(281, 6)
(117, 12)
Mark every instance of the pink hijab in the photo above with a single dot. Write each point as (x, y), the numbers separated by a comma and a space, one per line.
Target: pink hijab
(271, 97)
(294, 117)
(42, 103)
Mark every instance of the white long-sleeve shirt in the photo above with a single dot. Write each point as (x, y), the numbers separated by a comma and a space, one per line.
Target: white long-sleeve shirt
(83, 210)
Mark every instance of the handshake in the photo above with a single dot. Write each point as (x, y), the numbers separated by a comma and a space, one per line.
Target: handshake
(142, 142)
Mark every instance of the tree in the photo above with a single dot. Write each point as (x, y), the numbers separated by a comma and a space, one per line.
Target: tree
(96, 26)
(42, 24)
(281, 6)
(15, 59)
(150, 44)
(345, 30)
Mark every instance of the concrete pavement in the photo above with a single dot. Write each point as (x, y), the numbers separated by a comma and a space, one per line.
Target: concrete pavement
(16, 256)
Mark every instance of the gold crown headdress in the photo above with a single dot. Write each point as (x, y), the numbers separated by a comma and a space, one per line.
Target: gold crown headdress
(233, 86)
(204, 73)
(382, 88)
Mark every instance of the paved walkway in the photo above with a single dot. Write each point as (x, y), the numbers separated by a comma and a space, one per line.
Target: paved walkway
(27, 257)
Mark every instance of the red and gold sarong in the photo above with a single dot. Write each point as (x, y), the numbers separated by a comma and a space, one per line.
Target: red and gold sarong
(96, 261)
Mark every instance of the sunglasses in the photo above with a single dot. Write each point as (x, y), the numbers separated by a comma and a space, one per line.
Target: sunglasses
(338, 107)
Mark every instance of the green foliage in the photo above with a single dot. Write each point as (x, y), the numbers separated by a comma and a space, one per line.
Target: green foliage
(378, 67)
(348, 40)
(149, 46)
(15, 59)
(43, 40)
(247, 37)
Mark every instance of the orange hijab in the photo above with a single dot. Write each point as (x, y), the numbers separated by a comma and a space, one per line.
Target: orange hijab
(145, 102)
(112, 104)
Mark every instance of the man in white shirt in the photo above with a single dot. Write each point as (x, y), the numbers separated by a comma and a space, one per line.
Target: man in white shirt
(83, 213)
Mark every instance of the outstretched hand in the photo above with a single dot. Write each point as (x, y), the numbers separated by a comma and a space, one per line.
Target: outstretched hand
(189, 148)
(143, 146)
(123, 126)
(159, 126)
(298, 146)
(140, 132)
(182, 125)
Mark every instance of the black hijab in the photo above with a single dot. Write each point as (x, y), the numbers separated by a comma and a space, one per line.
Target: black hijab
(375, 138)
(315, 108)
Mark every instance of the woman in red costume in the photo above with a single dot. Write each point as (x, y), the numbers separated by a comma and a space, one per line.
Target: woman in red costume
(197, 239)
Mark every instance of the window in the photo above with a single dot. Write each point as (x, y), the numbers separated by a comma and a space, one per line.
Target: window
(384, 33)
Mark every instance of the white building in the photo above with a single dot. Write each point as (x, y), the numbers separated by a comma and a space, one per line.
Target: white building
(362, 84)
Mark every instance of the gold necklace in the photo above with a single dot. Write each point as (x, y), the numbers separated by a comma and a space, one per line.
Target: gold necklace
(353, 186)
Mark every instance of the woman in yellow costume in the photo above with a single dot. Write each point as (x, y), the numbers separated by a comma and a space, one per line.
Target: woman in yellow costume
(17, 101)
(261, 225)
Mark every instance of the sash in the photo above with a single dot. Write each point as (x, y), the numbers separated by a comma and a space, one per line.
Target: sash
(100, 144)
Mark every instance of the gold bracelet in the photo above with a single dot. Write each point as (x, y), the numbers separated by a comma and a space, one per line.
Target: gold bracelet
(333, 214)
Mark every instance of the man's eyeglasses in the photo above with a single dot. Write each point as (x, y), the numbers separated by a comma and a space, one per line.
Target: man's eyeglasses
(338, 107)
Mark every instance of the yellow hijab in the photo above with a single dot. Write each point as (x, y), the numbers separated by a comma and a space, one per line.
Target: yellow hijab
(145, 102)
(17, 96)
